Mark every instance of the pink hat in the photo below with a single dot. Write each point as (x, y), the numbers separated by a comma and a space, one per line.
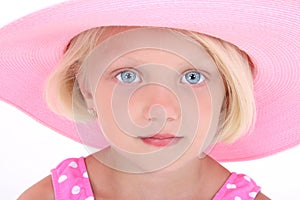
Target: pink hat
(268, 31)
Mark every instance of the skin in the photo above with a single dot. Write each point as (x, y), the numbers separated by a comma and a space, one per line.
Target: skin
(190, 177)
(144, 97)
(139, 106)
(43, 190)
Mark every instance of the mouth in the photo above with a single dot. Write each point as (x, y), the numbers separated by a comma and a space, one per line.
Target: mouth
(161, 139)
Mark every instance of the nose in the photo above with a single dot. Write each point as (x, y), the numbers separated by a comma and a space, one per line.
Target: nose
(153, 97)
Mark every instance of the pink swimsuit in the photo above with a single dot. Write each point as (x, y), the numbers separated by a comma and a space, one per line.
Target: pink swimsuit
(70, 181)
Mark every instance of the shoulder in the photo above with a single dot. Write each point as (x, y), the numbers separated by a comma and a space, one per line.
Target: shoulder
(261, 196)
(42, 190)
(240, 186)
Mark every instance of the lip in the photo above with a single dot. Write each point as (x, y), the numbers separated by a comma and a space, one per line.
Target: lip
(161, 139)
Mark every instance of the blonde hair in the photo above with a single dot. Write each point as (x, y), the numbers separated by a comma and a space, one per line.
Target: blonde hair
(234, 65)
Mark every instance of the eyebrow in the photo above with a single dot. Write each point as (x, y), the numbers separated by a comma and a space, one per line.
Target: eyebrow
(137, 61)
(132, 60)
(181, 66)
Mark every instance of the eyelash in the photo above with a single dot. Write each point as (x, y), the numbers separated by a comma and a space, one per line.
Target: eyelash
(118, 76)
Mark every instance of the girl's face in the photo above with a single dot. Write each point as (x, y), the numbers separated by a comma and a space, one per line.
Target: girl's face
(160, 99)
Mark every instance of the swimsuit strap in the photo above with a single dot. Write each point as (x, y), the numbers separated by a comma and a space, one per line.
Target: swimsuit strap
(238, 187)
(70, 180)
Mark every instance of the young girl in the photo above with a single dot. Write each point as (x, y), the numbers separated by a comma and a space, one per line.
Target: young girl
(154, 101)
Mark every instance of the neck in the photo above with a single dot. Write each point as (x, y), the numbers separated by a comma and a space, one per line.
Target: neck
(189, 180)
(164, 184)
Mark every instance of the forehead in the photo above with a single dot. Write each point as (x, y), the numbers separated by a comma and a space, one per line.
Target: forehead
(110, 31)
(164, 58)
(177, 51)
(171, 49)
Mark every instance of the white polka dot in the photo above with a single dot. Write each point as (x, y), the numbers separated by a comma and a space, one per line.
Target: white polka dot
(247, 178)
(85, 175)
(230, 186)
(76, 189)
(237, 198)
(90, 198)
(62, 178)
(252, 194)
(73, 164)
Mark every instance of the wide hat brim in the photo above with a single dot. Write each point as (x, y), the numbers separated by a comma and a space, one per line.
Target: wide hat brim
(268, 31)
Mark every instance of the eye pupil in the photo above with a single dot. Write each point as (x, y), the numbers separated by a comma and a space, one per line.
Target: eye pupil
(193, 77)
(128, 76)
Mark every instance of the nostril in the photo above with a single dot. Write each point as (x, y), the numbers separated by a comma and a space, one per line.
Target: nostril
(171, 119)
(161, 113)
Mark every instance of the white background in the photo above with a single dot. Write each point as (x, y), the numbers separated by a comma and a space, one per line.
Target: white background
(28, 150)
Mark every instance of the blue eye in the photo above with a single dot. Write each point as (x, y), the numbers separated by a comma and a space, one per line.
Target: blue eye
(193, 77)
(128, 77)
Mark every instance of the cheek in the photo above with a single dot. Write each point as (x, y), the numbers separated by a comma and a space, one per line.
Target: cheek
(210, 109)
(103, 103)
(109, 111)
(137, 110)
(104, 94)
(204, 108)
(202, 136)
